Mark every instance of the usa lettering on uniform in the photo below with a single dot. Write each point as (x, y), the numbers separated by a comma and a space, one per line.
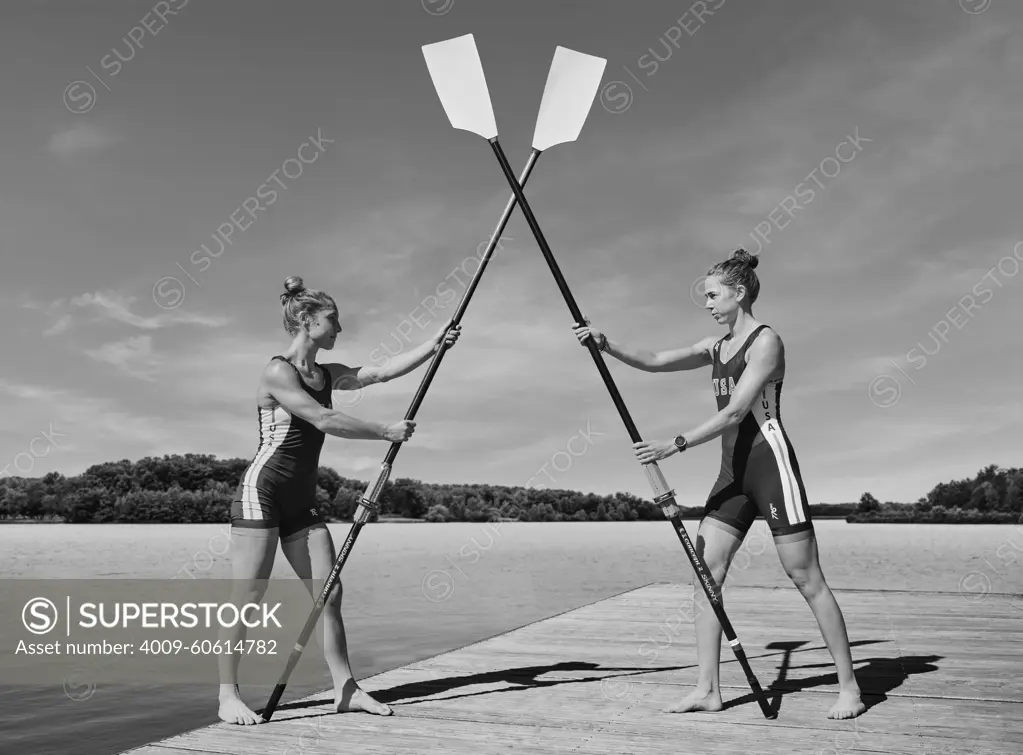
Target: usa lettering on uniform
(723, 389)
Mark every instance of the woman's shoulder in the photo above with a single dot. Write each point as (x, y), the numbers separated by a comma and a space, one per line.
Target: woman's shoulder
(767, 333)
(279, 371)
(766, 343)
(278, 363)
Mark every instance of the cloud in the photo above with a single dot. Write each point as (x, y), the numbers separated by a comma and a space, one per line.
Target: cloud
(63, 324)
(359, 463)
(89, 429)
(85, 423)
(111, 305)
(134, 356)
(80, 139)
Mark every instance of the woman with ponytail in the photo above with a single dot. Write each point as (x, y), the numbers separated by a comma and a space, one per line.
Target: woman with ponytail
(759, 473)
(276, 498)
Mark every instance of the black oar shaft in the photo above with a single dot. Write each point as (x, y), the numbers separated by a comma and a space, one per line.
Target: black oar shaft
(665, 499)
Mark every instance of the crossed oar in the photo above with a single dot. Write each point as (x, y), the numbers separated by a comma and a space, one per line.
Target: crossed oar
(572, 82)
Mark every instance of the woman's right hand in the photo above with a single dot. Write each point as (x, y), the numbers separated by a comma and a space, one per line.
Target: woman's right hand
(582, 332)
(399, 432)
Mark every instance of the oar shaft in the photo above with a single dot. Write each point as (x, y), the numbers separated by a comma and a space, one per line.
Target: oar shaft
(663, 496)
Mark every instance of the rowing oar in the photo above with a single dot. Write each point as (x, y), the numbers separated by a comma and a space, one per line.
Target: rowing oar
(663, 495)
(562, 121)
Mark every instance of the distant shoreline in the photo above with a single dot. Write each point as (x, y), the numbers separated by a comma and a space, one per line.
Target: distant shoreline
(404, 520)
(200, 488)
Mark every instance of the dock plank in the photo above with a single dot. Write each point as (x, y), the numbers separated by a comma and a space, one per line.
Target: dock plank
(940, 675)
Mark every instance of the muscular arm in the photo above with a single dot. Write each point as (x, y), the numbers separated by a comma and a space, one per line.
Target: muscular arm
(766, 362)
(346, 378)
(670, 360)
(282, 383)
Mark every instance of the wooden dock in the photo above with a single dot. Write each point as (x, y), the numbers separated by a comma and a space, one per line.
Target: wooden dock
(939, 674)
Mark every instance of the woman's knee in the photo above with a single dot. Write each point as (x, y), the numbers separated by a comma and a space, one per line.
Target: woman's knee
(808, 579)
(334, 597)
(717, 546)
(717, 565)
(252, 553)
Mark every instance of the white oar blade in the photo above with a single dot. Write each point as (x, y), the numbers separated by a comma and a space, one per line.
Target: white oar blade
(457, 75)
(571, 85)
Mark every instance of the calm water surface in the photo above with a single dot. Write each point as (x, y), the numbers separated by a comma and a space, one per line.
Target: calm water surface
(416, 590)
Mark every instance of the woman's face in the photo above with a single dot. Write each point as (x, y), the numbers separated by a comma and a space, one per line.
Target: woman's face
(324, 327)
(721, 301)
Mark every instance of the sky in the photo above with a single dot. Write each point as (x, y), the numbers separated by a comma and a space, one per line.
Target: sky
(869, 152)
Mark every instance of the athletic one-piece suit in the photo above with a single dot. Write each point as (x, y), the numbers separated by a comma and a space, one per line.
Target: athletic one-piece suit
(278, 488)
(759, 471)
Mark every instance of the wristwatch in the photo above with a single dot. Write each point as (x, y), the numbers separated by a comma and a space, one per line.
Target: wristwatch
(681, 443)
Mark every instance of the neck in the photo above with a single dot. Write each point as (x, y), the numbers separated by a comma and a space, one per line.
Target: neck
(744, 323)
(302, 352)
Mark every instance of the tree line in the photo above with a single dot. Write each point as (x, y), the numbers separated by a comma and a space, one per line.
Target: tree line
(993, 496)
(198, 488)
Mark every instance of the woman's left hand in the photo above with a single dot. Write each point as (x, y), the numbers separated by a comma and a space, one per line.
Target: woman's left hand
(654, 450)
(447, 334)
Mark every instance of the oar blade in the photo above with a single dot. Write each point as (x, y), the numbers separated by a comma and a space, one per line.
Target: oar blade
(567, 98)
(457, 75)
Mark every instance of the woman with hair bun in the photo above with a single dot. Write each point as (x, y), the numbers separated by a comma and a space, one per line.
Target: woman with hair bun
(276, 497)
(759, 473)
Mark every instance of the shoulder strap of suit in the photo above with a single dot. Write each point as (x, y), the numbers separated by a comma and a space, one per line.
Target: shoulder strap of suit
(287, 362)
(752, 337)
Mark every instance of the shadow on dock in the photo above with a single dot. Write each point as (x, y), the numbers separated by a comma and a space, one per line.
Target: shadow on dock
(524, 677)
(876, 677)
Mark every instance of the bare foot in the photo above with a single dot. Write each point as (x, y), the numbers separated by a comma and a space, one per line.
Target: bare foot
(234, 711)
(849, 705)
(352, 697)
(698, 699)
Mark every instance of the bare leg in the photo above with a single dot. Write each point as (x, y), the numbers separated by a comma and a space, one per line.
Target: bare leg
(252, 560)
(800, 559)
(311, 554)
(716, 546)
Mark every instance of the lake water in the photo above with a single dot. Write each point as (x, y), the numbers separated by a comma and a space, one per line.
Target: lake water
(415, 590)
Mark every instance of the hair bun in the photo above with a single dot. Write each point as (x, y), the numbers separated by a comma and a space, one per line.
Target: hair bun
(292, 286)
(742, 256)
